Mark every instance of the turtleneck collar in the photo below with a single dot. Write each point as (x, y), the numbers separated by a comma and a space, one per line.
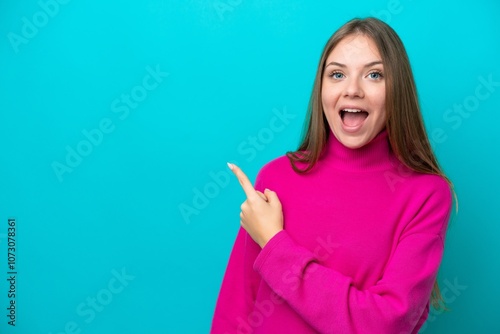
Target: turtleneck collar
(376, 155)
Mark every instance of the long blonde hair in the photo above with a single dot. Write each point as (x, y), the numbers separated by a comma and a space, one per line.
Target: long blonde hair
(404, 124)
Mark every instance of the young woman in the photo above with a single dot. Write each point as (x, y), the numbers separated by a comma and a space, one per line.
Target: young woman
(346, 234)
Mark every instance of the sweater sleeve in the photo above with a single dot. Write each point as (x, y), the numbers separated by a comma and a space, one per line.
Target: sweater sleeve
(329, 301)
(239, 285)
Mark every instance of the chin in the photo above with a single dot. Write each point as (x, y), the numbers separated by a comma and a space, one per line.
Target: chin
(354, 141)
(353, 144)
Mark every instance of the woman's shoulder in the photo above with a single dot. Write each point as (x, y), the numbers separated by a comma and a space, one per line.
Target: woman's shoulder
(431, 181)
(276, 166)
(427, 185)
(277, 171)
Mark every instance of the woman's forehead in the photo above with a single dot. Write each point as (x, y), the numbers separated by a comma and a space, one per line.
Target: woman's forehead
(354, 48)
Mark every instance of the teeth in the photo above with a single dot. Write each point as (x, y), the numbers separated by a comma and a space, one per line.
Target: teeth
(352, 110)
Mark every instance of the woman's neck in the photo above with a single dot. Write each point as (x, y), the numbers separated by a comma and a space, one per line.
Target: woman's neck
(375, 155)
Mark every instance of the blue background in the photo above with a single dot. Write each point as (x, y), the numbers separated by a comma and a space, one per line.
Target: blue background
(151, 199)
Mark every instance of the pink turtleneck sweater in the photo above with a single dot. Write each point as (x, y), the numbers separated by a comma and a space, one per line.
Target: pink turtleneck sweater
(362, 243)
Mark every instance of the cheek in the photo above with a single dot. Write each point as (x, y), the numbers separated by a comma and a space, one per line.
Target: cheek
(324, 95)
(381, 103)
(378, 101)
(328, 99)
(383, 113)
(381, 99)
(382, 117)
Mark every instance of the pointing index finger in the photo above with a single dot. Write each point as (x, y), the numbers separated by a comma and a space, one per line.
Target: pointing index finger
(243, 179)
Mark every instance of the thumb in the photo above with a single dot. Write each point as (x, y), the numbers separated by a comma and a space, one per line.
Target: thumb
(264, 197)
(272, 197)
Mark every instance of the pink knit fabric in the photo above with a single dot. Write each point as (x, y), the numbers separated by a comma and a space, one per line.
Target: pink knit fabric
(362, 243)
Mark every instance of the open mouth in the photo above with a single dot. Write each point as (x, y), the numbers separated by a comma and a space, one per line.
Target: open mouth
(353, 117)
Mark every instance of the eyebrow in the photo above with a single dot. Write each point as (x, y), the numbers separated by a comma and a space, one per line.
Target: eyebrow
(377, 62)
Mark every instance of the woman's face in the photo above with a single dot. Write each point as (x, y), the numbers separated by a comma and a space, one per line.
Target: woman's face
(353, 92)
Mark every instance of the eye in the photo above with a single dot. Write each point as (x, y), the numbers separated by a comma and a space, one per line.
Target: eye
(336, 75)
(376, 75)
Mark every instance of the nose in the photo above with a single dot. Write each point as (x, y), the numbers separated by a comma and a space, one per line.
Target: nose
(353, 88)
